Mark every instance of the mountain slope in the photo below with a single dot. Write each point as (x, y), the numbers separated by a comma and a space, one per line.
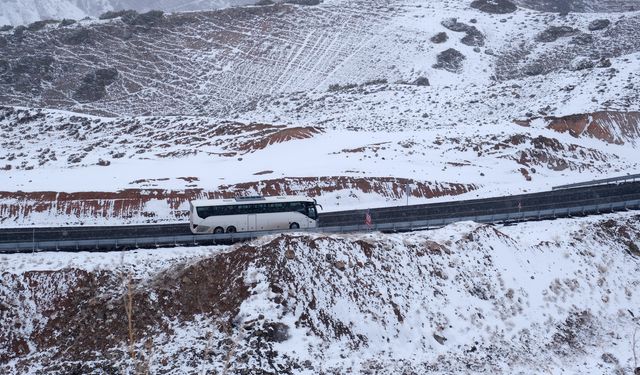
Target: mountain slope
(486, 95)
(544, 297)
(23, 12)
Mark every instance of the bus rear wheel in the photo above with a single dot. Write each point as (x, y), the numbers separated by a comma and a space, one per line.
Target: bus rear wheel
(231, 229)
(294, 226)
(218, 230)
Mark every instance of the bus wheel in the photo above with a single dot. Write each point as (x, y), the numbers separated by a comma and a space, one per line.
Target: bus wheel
(218, 230)
(294, 226)
(231, 229)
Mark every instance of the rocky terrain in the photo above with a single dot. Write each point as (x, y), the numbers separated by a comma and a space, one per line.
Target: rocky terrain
(26, 12)
(545, 297)
(501, 96)
(123, 117)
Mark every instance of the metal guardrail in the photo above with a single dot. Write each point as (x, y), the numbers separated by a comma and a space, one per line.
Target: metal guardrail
(631, 177)
(187, 240)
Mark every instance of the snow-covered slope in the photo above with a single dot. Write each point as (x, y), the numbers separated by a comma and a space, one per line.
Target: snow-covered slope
(483, 95)
(23, 12)
(547, 297)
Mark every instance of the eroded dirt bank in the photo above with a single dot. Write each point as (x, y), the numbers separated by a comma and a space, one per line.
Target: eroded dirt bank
(532, 298)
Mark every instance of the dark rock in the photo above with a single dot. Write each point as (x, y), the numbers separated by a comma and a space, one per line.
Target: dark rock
(533, 69)
(67, 22)
(473, 38)
(289, 254)
(34, 65)
(582, 39)
(76, 37)
(124, 14)
(38, 25)
(303, 2)
(453, 25)
(440, 38)
(494, 6)
(553, 33)
(106, 76)
(609, 358)
(19, 31)
(421, 81)
(341, 265)
(94, 85)
(440, 339)
(75, 158)
(450, 60)
(276, 331)
(104, 163)
(604, 63)
(581, 63)
(151, 18)
(264, 2)
(6, 28)
(3, 42)
(599, 24)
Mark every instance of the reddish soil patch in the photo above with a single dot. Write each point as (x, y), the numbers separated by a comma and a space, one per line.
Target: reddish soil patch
(269, 135)
(611, 127)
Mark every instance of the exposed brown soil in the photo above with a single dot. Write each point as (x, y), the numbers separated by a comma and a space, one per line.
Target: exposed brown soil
(84, 313)
(277, 134)
(611, 127)
(132, 203)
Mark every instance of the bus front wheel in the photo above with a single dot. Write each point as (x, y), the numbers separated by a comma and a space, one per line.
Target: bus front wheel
(231, 229)
(218, 230)
(294, 226)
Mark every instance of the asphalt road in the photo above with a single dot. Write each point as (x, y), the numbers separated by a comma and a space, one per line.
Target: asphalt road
(526, 202)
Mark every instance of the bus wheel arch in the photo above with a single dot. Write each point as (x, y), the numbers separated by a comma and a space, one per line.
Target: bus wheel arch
(218, 230)
(231, 229)
(294, 225)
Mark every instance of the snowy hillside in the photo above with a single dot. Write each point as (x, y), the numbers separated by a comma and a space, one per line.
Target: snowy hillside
(24, 12)
(547, 297)
(460, 99)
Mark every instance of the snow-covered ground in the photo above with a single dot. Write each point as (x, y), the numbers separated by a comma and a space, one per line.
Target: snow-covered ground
(24, 12)
(554, 297)
(241, 99)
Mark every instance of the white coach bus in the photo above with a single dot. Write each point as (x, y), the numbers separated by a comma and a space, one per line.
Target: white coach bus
(252, 214)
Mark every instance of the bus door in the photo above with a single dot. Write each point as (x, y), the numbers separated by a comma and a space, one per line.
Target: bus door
(252, 222)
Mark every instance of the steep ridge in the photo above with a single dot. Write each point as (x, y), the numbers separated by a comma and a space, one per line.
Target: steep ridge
(185, 63)
(23, 12)
(463, 298)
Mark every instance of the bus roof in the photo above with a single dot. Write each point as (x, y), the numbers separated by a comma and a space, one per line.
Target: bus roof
(249, 200)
